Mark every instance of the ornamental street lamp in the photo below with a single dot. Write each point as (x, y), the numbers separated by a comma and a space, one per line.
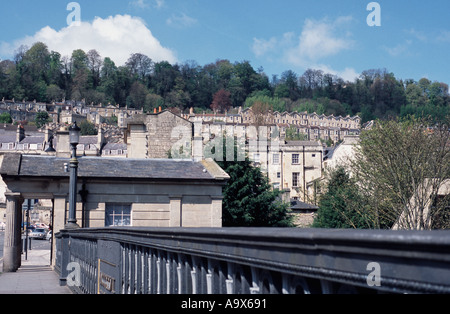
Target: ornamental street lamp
(74, 139)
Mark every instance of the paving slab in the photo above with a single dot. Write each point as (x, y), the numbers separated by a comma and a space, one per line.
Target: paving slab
(35, 276)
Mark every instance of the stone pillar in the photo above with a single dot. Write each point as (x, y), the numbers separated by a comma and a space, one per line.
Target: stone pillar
(216, 211)
(62, 146)
(12, 248)
(59, 217)
(59, 212)
(175, 211)
(197, 146)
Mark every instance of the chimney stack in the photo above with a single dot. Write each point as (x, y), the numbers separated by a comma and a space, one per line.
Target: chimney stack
(100, 138)
(48, 133)
(20, 135)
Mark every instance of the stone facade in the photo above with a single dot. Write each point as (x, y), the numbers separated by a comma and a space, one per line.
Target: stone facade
(156, 135)
(293, 165)
(157, 193)
(312, 125)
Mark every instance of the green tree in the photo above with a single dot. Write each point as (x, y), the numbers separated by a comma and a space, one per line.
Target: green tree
(249, 200)
(33, 69)
(342, 205)
(87, 128)
(140, 66)
(5, 117)
(400, 166)
(293, 134)
(54, 93)
(138, 94)
(41, 119)
(55, 69)
(94, 61)
(81, 81)
(79, 60)
(109, 81)
(153, 101)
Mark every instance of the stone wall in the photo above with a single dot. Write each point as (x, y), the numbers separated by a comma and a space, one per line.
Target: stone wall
(165, 132)
(157, 204)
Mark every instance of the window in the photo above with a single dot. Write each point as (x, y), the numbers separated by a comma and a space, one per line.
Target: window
(295, 179)
(295, 158)
(276, 159)
(278, 175)
(117, 215)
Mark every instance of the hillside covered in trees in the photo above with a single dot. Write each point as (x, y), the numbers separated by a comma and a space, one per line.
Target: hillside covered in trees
(45, 76)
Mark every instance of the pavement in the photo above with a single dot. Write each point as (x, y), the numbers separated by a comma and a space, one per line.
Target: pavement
(35, 276)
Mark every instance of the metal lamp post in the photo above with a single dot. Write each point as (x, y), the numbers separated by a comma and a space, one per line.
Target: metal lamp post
(74, 139)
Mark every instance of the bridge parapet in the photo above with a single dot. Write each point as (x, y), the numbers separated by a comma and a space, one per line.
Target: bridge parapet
(253, 260)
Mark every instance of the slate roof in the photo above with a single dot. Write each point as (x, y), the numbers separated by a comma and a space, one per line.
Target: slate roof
(112, 146)
(111, 168)
(298, 205)
(33, 140)
(303, 143)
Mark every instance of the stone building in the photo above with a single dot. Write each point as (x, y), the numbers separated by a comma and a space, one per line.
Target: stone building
(295, 165)
(113, 192)
(292, 165)
(155, 135)
(342, 154)
(143, 192)
(312, 125)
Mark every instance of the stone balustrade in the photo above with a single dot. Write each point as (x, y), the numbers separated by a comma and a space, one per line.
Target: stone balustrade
(252, 261)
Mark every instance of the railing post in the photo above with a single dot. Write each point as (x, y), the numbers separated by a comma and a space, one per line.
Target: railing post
(64, 257)
(254, 289)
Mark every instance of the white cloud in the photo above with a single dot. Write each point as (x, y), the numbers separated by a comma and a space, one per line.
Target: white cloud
(144, 4)
(420, 35)
(348, 74)
(444, 36)
(159, 3)
(319, 40)
(261, 46)
(115, 37)
(140, 4)
(181, 21)
(400, 49)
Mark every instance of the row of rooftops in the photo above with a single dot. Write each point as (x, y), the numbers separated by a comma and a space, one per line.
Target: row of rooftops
(31, 140)
(242, 117)
(283, 119)
(294, 114)
(66, 105)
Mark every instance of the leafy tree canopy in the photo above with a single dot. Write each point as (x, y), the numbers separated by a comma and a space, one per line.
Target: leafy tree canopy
(42, 75)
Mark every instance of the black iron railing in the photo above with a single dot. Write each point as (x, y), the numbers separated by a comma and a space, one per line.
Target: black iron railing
(253, 260)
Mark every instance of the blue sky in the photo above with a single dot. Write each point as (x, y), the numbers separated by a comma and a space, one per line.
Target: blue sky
(413, 40)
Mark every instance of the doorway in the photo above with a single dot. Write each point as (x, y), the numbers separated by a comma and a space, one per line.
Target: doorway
(37, 231)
